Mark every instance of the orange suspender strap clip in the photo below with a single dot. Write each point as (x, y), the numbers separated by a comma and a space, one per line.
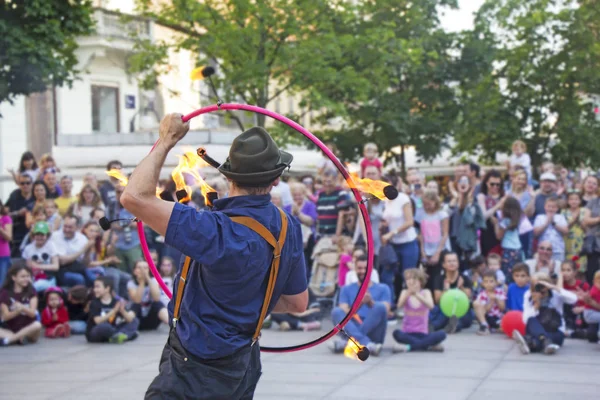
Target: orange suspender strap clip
(273, 273)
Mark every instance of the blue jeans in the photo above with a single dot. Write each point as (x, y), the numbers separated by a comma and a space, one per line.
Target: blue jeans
(419, 341)
(439, 321)
(408, 254)
(372, 329)
(71, 279)
(78, 327)
(526, 243)
(535, 333)
(408, 258)
(41, 285)
(5, 264)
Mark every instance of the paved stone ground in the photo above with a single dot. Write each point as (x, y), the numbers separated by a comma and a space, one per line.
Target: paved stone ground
(472, 368)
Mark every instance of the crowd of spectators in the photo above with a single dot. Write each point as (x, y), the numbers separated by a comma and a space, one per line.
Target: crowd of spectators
(509, 241)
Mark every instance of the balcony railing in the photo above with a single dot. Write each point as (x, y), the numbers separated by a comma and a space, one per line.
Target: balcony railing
(196, 137)
(111, 25)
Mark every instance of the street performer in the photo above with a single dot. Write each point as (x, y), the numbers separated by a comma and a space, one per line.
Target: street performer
(244, 260)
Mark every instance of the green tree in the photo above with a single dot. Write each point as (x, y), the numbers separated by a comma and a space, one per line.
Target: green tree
(409, 66)
(38, 44)
(262, 49)
(532, 65)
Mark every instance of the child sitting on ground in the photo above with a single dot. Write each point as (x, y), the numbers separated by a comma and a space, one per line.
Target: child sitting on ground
(109, 320)
(490, 304)
(475, 273)
(55, 316)
(78, 302)
(18, 307)
(417, 302)
(576, 326)
(494, 262)
(517, 289)
(542, 315)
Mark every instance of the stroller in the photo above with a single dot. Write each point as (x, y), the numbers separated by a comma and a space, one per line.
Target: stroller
(323, 288)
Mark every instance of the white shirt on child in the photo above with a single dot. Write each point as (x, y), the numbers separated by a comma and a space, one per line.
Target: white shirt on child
(523, 160)
(551, 234)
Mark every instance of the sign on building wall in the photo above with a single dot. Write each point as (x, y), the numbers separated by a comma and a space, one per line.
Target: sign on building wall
(129, 101)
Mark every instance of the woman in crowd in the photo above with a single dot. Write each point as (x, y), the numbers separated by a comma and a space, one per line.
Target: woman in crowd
(399, 221)
(465, 222)
(144, 294)
(89, 198)
(590, 189)
(574, 214)
(490, 200)
(40, 193)
(591, 242)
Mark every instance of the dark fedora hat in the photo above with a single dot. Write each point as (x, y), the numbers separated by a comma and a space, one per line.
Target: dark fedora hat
(255, 159)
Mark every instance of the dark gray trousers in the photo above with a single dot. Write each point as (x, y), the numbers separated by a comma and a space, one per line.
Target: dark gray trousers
(185, 376)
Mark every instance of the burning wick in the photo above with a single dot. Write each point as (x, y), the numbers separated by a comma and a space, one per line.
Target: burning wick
(362, 353)
(208, 159)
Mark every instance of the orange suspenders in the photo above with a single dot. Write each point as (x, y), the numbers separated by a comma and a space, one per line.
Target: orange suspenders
(274, 269)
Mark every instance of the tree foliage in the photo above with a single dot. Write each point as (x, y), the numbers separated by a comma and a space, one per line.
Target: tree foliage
(409, 100)
(532, 65)
(38, 44)
(262, 49)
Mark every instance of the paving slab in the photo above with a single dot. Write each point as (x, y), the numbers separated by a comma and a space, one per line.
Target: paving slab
(471, 368)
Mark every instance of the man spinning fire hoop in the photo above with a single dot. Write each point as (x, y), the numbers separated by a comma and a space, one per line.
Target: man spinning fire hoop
(245, 260)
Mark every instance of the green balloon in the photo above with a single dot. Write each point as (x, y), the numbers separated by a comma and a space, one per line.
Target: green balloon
(454, 302)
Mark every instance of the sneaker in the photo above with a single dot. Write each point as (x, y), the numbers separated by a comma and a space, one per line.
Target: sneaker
(118, 338)
(483, 330)
(284, 326)
(400, 348)
(267, 323)
(337, 346)
(438, 348)
(311, 326)
(521, 342)
(551, 349)
(451, 325)
(375, 348)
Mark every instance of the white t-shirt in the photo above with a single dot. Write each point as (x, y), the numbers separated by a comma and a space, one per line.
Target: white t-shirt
(351, 277)
(286, 194)
(394, 216)
(432, 232)
(551, 234)
(523, 160)
(532, 263)
(41, 255)
(67, 247)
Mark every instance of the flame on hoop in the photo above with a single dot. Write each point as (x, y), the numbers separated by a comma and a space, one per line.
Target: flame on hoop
(352, 348)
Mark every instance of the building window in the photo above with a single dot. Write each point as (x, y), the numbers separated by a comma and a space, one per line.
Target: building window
(105, 109)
